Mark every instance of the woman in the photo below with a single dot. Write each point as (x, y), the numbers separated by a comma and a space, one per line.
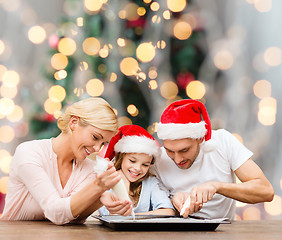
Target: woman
(53, 178)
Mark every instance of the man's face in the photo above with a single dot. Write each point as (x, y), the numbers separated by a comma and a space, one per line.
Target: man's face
(183, 151)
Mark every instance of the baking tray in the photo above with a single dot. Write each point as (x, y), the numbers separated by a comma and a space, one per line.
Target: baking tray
(160, 223)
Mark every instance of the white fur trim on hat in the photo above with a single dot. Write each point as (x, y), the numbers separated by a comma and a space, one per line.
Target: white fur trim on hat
(138, 144)
(173, 131)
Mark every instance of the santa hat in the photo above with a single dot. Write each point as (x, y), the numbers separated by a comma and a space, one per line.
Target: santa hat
(186, 119)
(132, 139)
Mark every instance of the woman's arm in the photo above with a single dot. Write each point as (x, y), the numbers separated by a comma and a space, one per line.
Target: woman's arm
(61, 210)
(87, 200)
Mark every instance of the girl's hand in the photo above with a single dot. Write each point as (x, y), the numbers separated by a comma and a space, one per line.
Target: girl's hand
(109, 178)
(114, 205)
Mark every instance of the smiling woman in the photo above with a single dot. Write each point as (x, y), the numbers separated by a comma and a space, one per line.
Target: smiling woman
(53, 178)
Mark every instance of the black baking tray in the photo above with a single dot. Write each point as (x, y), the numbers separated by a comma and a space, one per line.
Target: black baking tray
(160, 223)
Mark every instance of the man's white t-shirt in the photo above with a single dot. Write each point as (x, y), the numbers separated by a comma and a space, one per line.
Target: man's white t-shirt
(218, 165)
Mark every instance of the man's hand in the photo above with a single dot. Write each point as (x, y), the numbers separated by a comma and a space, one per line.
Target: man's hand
(114, 205)
(203, 192)
(198, 196)
(178, 201)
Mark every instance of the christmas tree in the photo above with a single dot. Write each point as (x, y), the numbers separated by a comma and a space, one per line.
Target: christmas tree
(138, 55)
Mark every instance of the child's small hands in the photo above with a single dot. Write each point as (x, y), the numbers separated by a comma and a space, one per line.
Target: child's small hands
(114, 205)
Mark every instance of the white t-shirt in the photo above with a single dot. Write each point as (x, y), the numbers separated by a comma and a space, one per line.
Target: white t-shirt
(218, 165)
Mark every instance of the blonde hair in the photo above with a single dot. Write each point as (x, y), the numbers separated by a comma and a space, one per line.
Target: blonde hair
(91, 111)
(135, 187)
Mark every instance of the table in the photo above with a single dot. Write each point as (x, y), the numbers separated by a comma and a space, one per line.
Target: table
(41, 230)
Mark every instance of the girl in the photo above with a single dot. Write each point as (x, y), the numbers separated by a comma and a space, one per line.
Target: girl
(135, 150)
(53, 178)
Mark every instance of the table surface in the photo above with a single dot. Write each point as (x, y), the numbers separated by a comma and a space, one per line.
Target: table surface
(239, 230)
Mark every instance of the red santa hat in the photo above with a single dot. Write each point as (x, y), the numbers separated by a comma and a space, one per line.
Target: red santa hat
(132, 139)
(186, 119)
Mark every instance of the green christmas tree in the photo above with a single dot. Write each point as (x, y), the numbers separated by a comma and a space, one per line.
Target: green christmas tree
(138, 55)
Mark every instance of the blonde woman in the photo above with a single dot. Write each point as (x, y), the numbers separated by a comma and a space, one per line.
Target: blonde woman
(53, 178)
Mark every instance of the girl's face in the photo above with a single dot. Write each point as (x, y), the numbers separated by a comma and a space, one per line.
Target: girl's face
(135, 165)
(87, 139)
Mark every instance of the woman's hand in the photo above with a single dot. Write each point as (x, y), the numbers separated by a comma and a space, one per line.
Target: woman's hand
(114, 205)
(108, 179)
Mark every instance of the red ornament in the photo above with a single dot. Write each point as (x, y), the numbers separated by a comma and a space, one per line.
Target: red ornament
(53, 41)
(49, 118)
(140, 22)
(183, 79)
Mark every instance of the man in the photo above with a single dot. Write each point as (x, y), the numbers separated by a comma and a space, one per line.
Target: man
(199, 163)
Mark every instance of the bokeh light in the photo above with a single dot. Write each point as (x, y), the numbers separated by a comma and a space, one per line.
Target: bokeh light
(10, 78)
(166, 15)
(8, 92)
(161, 44)
(223, 60)
(195, 90)
(182, 30)
(169, 90)
(130, 11)
(2, 47)
(273, 56)
(113, 77)
(274, 207)
(262, 89)
(59, 61)
(251, 213)
(155, 6)
(153, 73)
(16, 115)
(95, 87)
(176, 5)
(145, 52)
(61, 74)
(129, 66)
(7, 134)
(57, 93)
(153, 84)
(267, 111)
(7, 106)
(91, 46)
(123, 120)
(132, 110)
(36, 34)
(93, 5)
(263, 5)
(4, 184)
(51, 107)
(5, 160)
(67, 46)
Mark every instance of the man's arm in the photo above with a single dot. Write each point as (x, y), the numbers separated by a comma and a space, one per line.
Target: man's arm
(254, 188)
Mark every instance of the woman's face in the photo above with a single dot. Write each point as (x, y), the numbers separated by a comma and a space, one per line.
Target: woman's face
(135, 165)
(87, 139)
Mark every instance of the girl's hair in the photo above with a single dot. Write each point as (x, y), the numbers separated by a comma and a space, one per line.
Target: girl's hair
(135, 187)
(91, 111)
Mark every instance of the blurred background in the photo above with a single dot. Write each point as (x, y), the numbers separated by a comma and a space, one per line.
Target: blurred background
(140, 55)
